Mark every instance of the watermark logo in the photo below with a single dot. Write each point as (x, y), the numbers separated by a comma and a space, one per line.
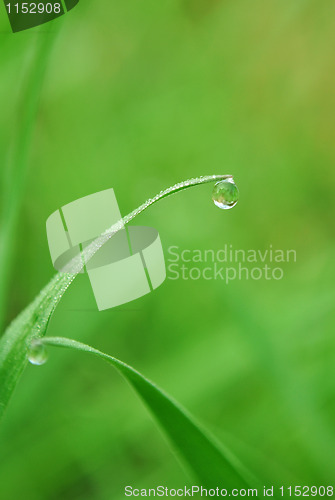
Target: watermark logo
(228, 263)
(23, 15)
(129, 265)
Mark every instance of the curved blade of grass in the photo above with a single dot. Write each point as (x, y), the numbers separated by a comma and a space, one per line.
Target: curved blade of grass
(33, 321)
(211, 464)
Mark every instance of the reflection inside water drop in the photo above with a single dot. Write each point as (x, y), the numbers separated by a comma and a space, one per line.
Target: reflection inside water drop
(225, 194)
(37, 354)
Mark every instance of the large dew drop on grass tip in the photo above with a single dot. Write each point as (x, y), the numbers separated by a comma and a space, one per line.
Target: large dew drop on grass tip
(225, 194)
(37, 354)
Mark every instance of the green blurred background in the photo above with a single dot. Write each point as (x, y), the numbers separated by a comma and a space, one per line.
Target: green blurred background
(138, 96)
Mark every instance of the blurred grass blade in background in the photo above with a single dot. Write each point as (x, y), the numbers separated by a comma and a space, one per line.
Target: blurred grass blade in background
(14, 173)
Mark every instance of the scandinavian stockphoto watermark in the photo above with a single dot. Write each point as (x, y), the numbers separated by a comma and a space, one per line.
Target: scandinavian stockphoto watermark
(129, 262)
(228, 263)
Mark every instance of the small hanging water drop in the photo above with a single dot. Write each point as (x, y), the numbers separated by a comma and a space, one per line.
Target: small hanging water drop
(225, 194)
(37, 354)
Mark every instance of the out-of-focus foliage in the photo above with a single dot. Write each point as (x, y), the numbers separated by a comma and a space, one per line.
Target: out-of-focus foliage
(139, 96)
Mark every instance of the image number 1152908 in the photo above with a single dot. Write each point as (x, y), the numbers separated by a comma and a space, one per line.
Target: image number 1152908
(34, 8)
(25, 15)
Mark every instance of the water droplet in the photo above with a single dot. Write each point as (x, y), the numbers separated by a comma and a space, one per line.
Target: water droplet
(225, 194)
(37, 354)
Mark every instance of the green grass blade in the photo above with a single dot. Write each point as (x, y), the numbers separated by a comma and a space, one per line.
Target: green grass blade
(33, 321)
(211, 465)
